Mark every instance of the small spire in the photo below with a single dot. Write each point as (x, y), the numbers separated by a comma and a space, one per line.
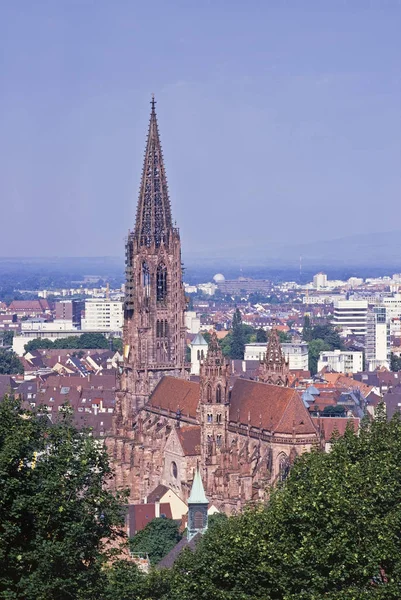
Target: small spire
(153, 103)
(197, 495)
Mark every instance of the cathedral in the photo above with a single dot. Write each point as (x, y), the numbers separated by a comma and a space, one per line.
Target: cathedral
(241, 434)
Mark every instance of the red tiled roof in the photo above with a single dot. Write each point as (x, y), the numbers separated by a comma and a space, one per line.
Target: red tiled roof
(190, 439)
(173, 394)
(142, 514)
(271, 407)
(327, 425)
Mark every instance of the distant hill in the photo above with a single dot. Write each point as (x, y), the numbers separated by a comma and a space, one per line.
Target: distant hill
(373, 249)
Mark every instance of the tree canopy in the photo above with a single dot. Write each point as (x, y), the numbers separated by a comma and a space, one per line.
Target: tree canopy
(320, 338)
(86, 341)
(332, 531)
(156, 539)
(10, 364)
(55, 510)
(395, 362)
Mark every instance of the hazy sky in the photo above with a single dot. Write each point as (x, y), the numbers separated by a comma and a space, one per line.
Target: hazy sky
(280, 120)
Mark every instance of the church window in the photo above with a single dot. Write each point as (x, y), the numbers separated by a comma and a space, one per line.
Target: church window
(146, 279)
(198, 520)
(174, 470)
(202, 355)
(209, 393)
(218, 418)
(161, 283)
(210, 418)
(218, 394)
(284, 467)
(198, 355)
(218, 440)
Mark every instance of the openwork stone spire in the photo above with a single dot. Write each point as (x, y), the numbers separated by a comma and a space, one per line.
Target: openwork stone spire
(153, 218)
(274, 367)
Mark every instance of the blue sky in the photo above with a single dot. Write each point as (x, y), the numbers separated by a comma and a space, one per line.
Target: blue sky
(280, 120)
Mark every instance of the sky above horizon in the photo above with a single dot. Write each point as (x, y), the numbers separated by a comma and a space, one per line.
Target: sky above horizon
(280, 121)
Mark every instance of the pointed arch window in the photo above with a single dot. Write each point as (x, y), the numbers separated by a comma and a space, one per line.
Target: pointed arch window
(283, 467)
(146, 279)
(218, 418)
(218, 440)
(218, 394)
(209, 393)
(198, 520)
(161, 282)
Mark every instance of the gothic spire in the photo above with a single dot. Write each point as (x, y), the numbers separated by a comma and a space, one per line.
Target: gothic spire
(153, 217)
(274, 367)
(274, 353)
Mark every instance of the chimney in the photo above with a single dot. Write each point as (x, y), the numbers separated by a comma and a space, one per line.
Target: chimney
(157, 508)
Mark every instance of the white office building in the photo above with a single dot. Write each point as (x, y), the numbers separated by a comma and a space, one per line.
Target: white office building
(103, 315)
(320, 281)
(393, 306)
(377, 339)
(341, 361)
(296, 354)
(192, 321)
(350, 316)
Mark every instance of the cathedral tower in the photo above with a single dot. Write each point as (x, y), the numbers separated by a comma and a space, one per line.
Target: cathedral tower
(154, 331)
(214, 400)
(274, 367)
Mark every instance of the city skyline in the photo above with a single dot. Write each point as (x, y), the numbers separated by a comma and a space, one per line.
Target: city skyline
(269, 116)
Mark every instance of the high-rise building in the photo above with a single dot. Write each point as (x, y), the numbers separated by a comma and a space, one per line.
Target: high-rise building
(103, 315)
(377, 338)
(154, 328)
(320, 281)
(350, 315)
(341, 361)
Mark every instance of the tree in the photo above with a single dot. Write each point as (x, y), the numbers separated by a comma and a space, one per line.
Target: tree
(117, 345)
(307, 329)
(7, 337)
(395, 362)
(261, 336)
(55, 511)
(156, 539)
(315, 348)
(284, 337)
(332, 531)
(37, 344)
(238, 341)
(86, 341)
(10, 364)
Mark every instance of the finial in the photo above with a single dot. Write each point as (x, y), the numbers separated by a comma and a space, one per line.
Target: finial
(153, 103)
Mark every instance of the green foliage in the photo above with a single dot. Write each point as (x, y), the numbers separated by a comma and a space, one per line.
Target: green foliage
(333, 531)
(334, 411)
(284, 337)
(307, 329)
(156, 539)
(395, 362)
(55, 510)
(320, 338)
(7, 337)
(118, 345)
(238, 337)
(315, 348)
(86, 341)
(261, 336)
(10, 364)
